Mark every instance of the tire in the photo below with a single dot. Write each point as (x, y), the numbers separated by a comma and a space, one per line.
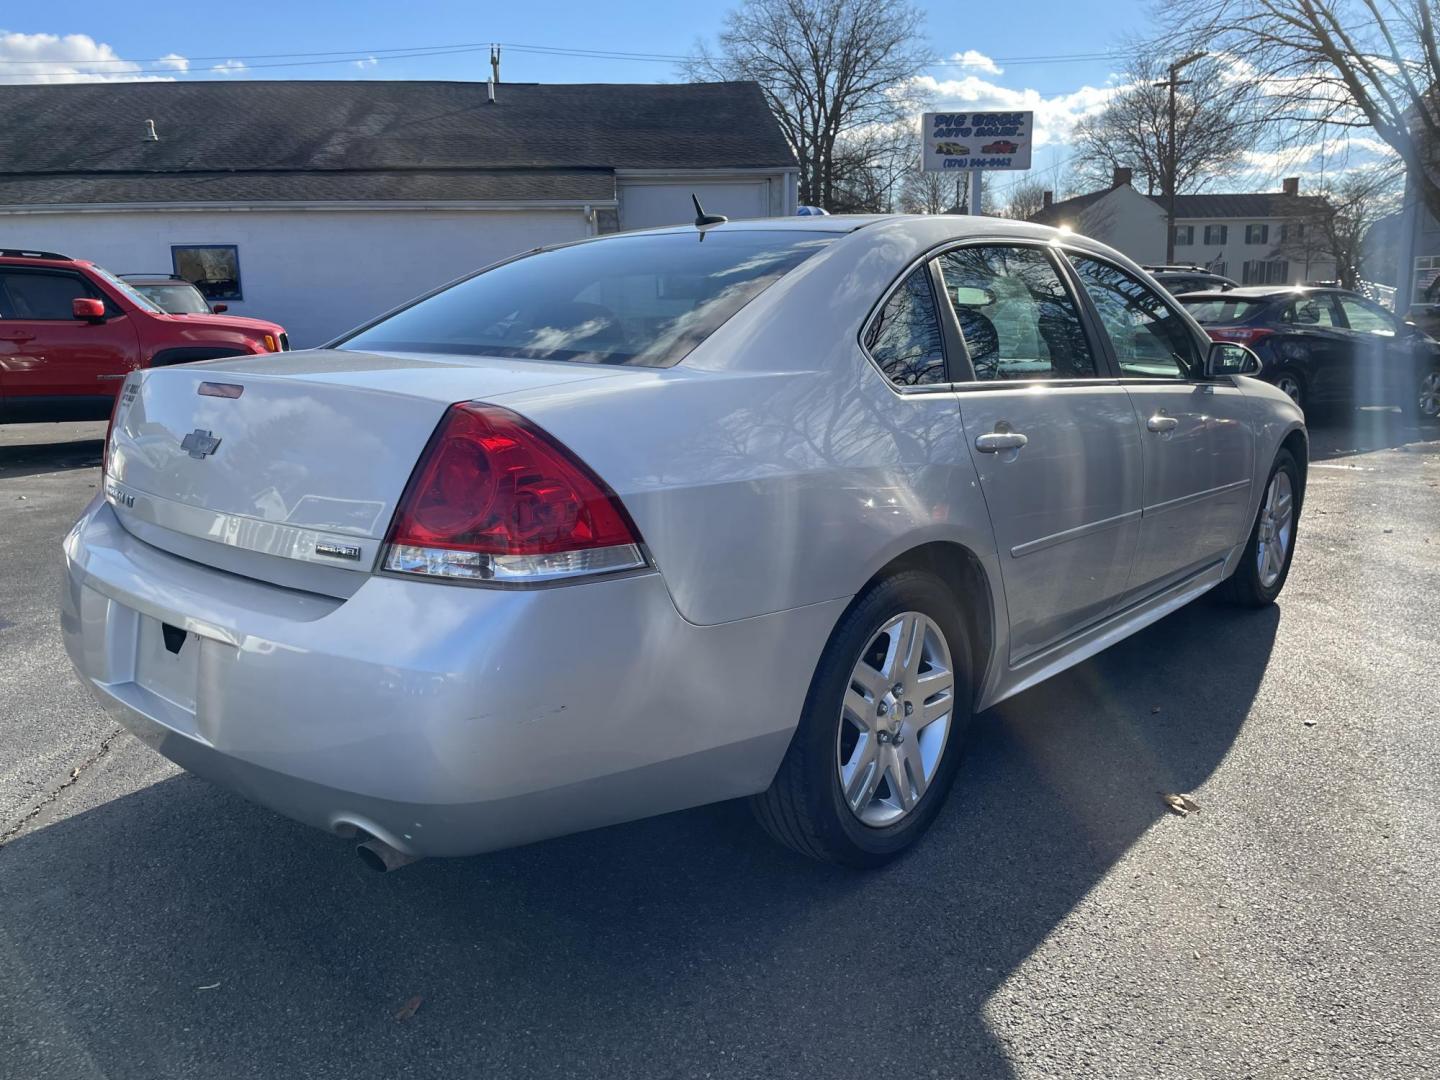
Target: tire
(1255, 583)
(1423, 403)
(1292, 383)
(805, 807)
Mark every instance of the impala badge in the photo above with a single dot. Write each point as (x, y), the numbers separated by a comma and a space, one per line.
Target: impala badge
(200, 444)
(337, 551)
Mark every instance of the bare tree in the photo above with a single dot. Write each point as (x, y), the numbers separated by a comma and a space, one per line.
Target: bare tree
(1336, 228)
(829, 69)
(1324, 64)
(1213, 126)
(871, 165)
(1024, 200)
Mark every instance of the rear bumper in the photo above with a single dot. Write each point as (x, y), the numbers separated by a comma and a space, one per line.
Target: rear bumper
(444, 719)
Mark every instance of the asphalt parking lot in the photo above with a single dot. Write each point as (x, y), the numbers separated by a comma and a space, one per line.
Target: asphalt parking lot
(1057, 921)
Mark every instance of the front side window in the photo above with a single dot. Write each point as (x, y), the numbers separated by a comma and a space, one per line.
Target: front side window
(1257, 234)
(904, 337)
(1151, 339)
(1015, 314)
(1365, 317)
(645, 299)
(33, 294)
(1215, 234)
(214, 269)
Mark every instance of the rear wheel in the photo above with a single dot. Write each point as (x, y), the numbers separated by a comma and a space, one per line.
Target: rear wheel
(879, 741)
(1289, 381)
(1263, 568)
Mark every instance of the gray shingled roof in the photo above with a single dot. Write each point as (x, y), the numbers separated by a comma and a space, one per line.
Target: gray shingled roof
(300, 140)
(1058, 212)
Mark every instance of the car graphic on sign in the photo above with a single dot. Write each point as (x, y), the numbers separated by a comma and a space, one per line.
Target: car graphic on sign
(1003, 146)
(951, 149)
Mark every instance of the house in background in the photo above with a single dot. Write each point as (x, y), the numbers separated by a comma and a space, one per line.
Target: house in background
(1419, 260)
(322, 204)
(1259, 238)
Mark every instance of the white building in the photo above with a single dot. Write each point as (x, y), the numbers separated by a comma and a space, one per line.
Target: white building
(1257, 238)
(322, 204)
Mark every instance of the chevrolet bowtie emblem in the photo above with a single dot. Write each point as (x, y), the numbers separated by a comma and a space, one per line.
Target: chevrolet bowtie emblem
(200, 444)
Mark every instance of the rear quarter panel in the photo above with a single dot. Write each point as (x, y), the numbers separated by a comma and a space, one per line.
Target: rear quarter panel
(775, 467)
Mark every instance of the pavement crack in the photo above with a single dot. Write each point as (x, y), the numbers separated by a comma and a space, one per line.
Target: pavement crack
(75, 774)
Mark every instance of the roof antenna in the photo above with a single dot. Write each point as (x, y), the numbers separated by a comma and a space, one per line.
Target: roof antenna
(701, 218)
(150, 135)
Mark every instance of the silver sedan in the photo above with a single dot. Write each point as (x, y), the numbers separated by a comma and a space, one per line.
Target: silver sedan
(762, 509)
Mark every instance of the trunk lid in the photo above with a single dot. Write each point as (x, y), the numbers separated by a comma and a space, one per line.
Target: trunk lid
(266, 465)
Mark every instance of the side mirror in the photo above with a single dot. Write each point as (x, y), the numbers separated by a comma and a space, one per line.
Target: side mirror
(217, 309)
(88, 308)
(1228, 358)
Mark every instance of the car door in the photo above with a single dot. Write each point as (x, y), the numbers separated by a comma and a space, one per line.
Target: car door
(1384, 368)
(1316, 344)
(1053, 438)
(1198, 442)
(50, 361)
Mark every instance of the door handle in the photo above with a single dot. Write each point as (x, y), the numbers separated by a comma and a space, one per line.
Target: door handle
(1161, 422)
(18, 338)
(996, 441)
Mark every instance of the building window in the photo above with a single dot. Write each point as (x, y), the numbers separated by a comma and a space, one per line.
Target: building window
(1265, 272)
(213, 268)
(1184, 235)
(1292, 230)
(1257, 234)
(1219, 266)
(1215, 234)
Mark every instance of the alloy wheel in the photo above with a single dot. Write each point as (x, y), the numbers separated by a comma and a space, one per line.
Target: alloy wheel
(1290, 386)
(1276, 528)
(895, 720)
(1430, 395)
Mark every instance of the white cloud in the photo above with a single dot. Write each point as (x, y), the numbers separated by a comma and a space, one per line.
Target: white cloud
(1055, 115)
(366, 62)
(27, 59)
(978, 61)
(229, 67)
(176, 61)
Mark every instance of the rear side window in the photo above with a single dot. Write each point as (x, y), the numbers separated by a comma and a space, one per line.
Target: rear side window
(645, 300)
(1216, 312)
(904, 337)
(1150, 338)
(32, 294)
(1366, 317)
(1017, 318)
(1311, 311)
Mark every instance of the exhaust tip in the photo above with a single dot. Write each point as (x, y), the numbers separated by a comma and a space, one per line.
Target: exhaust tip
(381, 857)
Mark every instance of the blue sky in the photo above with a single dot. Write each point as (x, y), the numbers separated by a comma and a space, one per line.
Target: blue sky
(988, 51)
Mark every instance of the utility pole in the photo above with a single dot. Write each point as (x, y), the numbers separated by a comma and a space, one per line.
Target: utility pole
(1168, 174)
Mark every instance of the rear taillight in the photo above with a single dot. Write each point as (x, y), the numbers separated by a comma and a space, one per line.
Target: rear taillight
(109, 431)
(495, 499)
(1245, 335)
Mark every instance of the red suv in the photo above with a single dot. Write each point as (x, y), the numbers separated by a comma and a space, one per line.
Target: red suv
(70, 331)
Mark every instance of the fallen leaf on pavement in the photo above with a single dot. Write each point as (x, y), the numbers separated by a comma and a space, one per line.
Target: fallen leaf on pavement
(212, 986)
(1181, 804)
(409, 1009)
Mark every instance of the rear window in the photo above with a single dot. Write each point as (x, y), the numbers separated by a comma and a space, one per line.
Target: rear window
(1209, 312)
(645, 300)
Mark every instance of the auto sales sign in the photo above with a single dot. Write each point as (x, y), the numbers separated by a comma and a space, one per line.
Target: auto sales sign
(977, 140)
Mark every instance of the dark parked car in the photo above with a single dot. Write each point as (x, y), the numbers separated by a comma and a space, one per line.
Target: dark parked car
(1183, 279)
(1327, 346)
(174, 294)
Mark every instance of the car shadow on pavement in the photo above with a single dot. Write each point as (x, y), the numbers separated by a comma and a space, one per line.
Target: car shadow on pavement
(27, 458)
(1346, 433)
(179, 925)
